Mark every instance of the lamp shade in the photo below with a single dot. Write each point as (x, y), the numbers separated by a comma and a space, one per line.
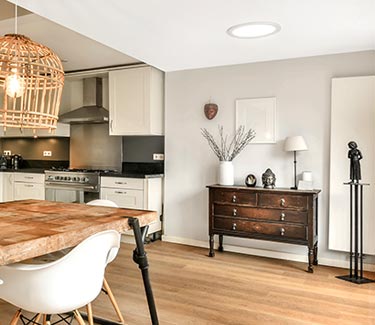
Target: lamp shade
(31, 83)
(296, 143)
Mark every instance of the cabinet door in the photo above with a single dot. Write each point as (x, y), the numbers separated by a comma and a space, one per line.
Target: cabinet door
(127, 101)
(25, 191)
(132, 199)
(8, 187)
(136, 101)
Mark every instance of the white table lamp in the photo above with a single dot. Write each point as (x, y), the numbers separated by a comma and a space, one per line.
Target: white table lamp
(296, 143)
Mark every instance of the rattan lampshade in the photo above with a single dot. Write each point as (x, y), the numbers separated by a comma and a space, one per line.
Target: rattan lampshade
(31, 83)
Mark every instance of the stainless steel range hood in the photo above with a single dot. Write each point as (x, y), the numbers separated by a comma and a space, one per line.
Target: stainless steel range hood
(92, 110)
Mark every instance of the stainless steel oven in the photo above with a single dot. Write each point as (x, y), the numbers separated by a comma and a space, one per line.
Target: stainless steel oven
(72, 185)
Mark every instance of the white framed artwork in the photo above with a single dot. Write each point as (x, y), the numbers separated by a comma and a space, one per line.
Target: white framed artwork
(258, 114)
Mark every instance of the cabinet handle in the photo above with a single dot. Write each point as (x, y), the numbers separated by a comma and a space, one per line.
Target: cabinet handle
(282, 202)
(110, 125)
(234, 199)
(282, 231)
(121, 183)
(234, 212)
(120, 192)
(27, 185)
(29, 177)
(234, 226)
(282, 216)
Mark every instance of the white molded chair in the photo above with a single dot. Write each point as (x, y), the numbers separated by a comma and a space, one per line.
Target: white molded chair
(64, 285)
(106, 287)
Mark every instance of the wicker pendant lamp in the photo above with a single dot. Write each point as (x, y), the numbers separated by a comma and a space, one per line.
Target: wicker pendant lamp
(31, 83)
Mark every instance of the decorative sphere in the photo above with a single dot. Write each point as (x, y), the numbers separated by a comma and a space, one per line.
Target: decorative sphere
(250, 180)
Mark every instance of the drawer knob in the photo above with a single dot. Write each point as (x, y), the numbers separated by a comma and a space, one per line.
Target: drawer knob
(234, 226)
(234, 212)
(234, 199)
(282, 231)
(282, 216)
(282, 202)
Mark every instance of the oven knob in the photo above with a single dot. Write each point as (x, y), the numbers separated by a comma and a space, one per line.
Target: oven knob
(86, 179)
(57, 178)
(78, 179)
(50, 178)
(67, 178)
(74, 179)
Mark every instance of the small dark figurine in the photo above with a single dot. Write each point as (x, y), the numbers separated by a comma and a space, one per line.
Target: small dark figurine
(268, 179)
(355, 156)
(250, 180)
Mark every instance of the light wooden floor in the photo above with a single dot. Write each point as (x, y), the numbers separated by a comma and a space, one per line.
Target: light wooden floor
(191, 288)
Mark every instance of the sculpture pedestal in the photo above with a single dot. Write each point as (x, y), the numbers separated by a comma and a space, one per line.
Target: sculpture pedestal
(356, 235)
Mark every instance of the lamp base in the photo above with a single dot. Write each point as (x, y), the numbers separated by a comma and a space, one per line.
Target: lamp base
(294, 188)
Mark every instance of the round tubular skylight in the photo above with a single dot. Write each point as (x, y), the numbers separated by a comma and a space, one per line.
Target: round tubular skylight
(254, 30)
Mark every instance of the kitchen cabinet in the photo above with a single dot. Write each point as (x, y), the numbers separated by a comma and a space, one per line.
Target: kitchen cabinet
(6, 187)
(136, 101)
(134, 193)
(29, 186)
(62, 130)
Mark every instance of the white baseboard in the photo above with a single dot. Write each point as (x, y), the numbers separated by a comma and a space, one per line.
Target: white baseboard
(264, 253)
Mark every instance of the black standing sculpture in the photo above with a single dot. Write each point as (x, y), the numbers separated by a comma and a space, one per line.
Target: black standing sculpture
(355, 156)
(356, 218)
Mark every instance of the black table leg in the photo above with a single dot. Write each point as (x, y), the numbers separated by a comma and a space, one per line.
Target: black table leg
(140, 257)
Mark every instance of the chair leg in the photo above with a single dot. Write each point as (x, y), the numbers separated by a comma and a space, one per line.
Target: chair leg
(89, 314)
(16, 317)
(79, 317)
(37, 318)
(113, 300)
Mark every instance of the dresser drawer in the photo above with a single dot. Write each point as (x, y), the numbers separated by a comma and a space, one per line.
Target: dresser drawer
(285, 201)
(259, 213)
(237, 197)
(261, 228)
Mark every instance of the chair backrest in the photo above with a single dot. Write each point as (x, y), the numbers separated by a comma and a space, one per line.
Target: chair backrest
(109, 204)
(63, 285)
(103, 203)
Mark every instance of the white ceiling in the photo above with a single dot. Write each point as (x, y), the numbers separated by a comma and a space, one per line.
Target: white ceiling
(78, 51)
(180, 34)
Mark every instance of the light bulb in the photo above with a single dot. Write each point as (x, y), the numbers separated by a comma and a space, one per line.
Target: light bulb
(15, 85)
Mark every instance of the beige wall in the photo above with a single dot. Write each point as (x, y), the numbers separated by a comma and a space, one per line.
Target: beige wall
(302, 88)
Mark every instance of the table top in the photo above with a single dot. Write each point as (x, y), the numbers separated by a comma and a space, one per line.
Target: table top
(31, 228)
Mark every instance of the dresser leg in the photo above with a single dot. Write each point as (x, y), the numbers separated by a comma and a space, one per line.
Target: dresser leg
(212, 252)
(315, 254)
(221, 248)
(310, 269)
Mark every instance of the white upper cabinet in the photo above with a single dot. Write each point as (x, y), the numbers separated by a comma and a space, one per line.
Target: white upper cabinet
(136, 101)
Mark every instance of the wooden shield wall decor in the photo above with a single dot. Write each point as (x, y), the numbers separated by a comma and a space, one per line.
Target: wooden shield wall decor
(210, 110)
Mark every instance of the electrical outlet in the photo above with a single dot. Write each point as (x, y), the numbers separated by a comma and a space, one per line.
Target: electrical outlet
(7, 152)
(158, 156)
(47, 153)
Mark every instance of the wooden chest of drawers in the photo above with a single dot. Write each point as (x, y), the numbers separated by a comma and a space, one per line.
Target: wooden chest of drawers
(283, 215)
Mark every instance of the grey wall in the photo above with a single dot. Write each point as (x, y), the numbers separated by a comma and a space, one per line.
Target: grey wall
(141, 148)
(32, 149)
(302, 88)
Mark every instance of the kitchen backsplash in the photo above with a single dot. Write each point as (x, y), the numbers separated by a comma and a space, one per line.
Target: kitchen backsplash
(142, 148)
(33, 148)
(91, 146)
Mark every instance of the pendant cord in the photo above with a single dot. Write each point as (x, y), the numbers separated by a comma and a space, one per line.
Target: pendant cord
(15, 18)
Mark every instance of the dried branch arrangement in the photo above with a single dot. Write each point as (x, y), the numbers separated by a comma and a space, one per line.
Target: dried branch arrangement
(227, 150)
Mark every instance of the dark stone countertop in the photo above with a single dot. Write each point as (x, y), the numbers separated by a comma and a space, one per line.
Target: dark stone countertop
(24, 170)
(131, 175)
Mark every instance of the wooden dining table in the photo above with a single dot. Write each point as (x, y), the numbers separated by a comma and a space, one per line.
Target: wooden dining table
(31, 228)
